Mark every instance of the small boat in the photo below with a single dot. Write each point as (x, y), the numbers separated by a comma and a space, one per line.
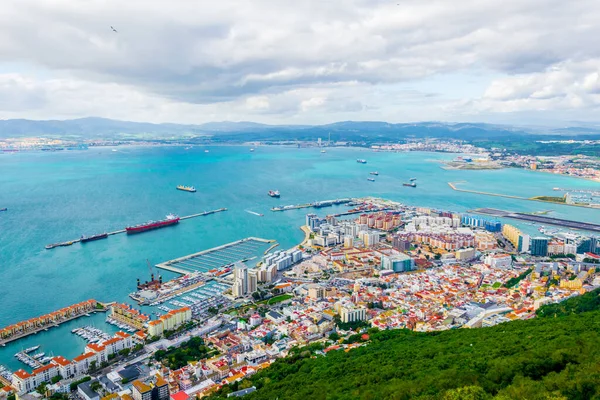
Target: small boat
(323, 151)
(30, 349)
(361, 161)
(251, 149)
(186, 188)
(374, 173)
(274, 193)
(206, 151)
(371, 179)
(4, 209)
(413, 179)
(412, 184)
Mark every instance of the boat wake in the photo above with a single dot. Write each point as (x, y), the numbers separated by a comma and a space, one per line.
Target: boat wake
(254, 213)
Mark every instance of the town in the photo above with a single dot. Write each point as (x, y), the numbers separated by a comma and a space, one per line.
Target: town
(382, 265)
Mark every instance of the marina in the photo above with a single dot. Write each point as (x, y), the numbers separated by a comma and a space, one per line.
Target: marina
(104, 235)
(212, 260)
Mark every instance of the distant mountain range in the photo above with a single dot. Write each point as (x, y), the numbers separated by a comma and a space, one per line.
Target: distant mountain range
(358, 131)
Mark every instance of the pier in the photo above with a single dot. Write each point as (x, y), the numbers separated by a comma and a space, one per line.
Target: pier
(316, 204)
(565, 223)
(216, 257)
(71, 242)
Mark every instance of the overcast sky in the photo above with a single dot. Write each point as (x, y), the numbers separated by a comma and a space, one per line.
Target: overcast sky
(278, 61)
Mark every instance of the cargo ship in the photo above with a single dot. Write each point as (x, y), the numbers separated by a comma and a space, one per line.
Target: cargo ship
(274, 193)
(169, 220)
(93, 237)
(361, 161)
(186, 188)
(412, 184)
(374, 173)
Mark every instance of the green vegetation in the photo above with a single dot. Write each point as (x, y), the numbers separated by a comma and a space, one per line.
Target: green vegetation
(349, 326)
(99, 306)
(512, 282)
(175, 358)
(59, 396)
(543, 358)
(73, 385)
(56, 379)
(550, 199)
(576, 305)
(276, 299)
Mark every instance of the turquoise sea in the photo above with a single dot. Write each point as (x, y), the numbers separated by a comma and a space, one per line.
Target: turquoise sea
(59, 196)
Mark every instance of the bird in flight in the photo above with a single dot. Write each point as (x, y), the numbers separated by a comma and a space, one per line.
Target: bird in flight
(113, 29)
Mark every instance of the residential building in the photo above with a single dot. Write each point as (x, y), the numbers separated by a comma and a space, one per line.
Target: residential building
(397, 263)
(154, 388)
(352, 314)
(539, 246)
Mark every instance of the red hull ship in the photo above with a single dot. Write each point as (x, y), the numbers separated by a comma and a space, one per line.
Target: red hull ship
(170, 220)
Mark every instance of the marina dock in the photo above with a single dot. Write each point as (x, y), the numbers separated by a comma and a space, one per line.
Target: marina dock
(565, 223)
(316, 204)
(216, 257)
(71, 242)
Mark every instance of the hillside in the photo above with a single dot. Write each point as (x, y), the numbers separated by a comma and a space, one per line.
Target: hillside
(554, 356)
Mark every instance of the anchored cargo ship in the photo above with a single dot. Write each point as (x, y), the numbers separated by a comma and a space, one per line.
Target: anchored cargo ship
(274, 193)
(361, 161)
(93, 237)
(169, 220)
(186, 188)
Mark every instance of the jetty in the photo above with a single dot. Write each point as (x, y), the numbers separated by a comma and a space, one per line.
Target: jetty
(316, 204)
(216, 257)
(71, 242)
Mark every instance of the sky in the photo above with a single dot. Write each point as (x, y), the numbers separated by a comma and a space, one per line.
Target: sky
(302, 62)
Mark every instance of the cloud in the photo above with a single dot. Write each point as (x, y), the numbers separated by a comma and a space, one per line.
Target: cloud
(314, 60)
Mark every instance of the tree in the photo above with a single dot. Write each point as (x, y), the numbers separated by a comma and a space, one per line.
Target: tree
(93, 366)
(41, 389)
(95, 386)
(56, 379)
(125, 352)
